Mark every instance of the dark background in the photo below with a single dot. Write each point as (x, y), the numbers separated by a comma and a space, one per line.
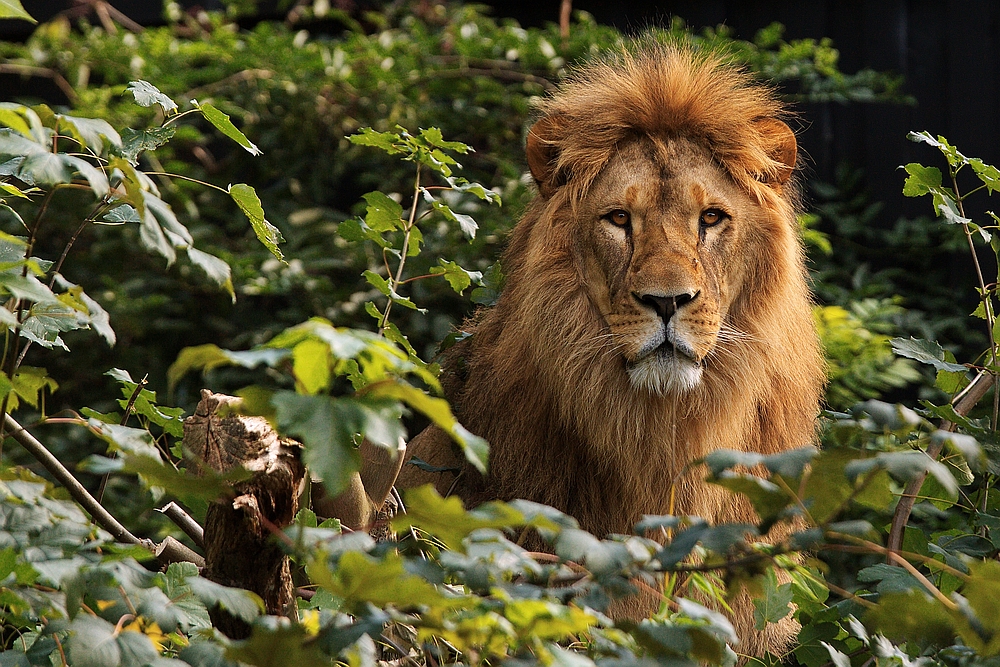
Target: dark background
(946, 51)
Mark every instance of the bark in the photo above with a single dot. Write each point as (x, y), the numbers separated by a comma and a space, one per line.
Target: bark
(241, 548)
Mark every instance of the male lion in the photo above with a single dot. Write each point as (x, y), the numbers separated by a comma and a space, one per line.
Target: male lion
(656, 304)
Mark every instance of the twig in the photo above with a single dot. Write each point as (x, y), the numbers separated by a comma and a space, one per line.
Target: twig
(239, 77)
(128, 409)
(30, 70)
(565, 11)
(183, 520)
(931, 588)
(966, 401)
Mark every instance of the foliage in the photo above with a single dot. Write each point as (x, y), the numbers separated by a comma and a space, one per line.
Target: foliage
(457, 587)
(921, 277)
(860, 361)
(299, 92)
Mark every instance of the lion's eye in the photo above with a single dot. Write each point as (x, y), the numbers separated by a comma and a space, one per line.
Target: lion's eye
(619, 218)
(711, 217)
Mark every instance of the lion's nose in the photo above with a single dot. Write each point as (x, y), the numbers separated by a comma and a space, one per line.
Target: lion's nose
(666, 306)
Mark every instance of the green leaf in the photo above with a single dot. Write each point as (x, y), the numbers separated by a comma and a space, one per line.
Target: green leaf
(383, 286)
(125, 213)
(493, 280)
(926, 352)
(135, 142)
(246, 198)
(44, 169)
(382, 213)
(311, 365)
(146, 95)
(14, 120)
(387, 141)
(208, 653)
(433, 136)
(921, 179)
(216, 269)
(457, 277)
(208, 356)
(468, 225)
(355, 229)
(125, 438)
(273, 645)
(95, 177)
(92, 643)
(14, 144)
(767, 498)
(462, 185)
(775, 604)
(223, 124)
(448, 520)
(12, 9)
(437, 410)
(15, 191)
(29, 288)
(360, 579)
(912, 616)
(90, 132)
(203, 357)
(327, 427)
(29, 383)
(242, 604)
(949, 211)
(955, 158)
(987, 173)
(905, 466)
(97, 318)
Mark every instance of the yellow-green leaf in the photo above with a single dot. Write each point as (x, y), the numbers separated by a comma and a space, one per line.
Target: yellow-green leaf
(223, 124)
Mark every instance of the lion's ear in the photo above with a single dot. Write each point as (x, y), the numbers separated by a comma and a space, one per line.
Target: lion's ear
(781, 146)
(543, 154)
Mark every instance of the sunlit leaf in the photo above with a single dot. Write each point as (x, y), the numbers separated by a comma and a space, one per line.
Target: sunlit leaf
(12, 9)
(216, 269)
(223, 124)
(926, 352)
(246, 198)
(146, 94)
(382, 213)
(438, 411)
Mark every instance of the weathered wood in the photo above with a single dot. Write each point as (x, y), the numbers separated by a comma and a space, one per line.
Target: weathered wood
(240, 549)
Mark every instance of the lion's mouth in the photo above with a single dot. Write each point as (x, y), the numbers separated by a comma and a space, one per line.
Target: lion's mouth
(666, 352)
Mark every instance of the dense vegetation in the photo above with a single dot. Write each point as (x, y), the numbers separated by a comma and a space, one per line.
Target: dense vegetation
(274, 243)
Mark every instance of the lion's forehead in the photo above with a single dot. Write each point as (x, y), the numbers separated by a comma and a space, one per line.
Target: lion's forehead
(648, 175)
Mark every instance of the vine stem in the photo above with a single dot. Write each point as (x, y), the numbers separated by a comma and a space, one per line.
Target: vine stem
(395, 282)
(987, 301)
(964, 402)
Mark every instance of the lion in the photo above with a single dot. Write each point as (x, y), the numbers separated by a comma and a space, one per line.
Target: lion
(656, 305)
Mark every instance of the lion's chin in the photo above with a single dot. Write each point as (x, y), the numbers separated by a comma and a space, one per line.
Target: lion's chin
(664, 372)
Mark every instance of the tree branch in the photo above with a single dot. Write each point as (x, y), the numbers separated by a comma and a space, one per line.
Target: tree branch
(75, 488)
(168, 551)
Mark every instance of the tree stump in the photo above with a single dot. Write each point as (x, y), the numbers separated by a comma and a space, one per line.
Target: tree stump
(240, 549)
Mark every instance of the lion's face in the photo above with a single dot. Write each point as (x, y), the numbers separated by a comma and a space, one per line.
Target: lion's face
(661, 246)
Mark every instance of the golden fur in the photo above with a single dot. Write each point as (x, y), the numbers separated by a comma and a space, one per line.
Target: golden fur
(559, 375)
